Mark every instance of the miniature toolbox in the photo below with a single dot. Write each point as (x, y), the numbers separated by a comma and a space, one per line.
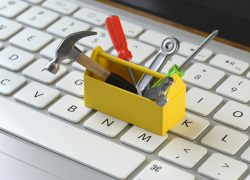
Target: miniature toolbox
(130, 107)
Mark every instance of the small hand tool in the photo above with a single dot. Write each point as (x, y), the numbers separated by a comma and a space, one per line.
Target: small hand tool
(68, 50)
(179, 69)
(158, 93)
(118, 39)
(159, 89)
(169, 47)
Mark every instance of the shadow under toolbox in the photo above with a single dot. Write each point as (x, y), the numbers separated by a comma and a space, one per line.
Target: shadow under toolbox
(130, 107)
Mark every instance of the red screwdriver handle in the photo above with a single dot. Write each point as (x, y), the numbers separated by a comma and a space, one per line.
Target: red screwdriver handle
(117, 36)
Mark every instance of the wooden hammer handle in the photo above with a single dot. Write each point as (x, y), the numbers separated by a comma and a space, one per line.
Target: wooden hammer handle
(93, 66)
(106, 75)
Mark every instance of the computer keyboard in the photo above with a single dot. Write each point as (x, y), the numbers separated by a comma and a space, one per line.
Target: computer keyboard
(211, 141)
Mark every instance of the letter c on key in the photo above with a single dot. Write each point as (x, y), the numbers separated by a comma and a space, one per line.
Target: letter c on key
(4, 80)
(79, 82)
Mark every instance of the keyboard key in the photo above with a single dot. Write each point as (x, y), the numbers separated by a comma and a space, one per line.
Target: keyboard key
(142, 139)
(176, 59)
(182, 153)
(72, 83)
(66, 26)
(187, 48)
(234, 114)
(37, 17)
(229, 64)
(152, 37)
(246, 155)
(202, 102)
(9, 82)
(50, 50)
(131, 30)
(101, 39)
(38, 72)
(69, 141)
(190, 126)
(219, 166)
(35, 1)
(203, 76)
(236, 88)
(225, 140)
(61, 6)
(78, 66)
(15, 59)
(159, 170)
(31, 39)
(11, 8)
(91, 16)
(104, 124)
(248, 75)
(70, 108)
(8, 28)
(36, 95)
(140, 51)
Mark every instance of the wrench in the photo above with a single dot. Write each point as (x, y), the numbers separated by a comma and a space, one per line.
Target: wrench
(158, 92)
(169, 47)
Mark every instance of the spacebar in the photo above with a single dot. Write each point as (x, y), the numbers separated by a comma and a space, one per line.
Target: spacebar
(76, 144)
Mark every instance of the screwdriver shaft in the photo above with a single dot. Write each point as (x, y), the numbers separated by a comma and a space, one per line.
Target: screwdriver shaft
(132, 77)
(197, 50)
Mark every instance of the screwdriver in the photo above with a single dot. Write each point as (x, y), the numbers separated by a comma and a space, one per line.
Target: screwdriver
(179, 69)
(118, 39)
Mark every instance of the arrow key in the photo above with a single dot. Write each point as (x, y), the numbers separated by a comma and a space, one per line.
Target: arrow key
(183, 153)
(219, 166)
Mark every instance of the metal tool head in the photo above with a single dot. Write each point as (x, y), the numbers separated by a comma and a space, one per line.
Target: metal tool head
(67, 50)
(159, 93)
(161, 98)
(169, 47)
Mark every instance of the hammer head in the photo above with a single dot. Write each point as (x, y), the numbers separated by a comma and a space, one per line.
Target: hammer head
(67, 50)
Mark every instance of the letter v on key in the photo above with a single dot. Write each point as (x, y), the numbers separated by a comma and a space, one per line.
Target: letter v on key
(37, 95)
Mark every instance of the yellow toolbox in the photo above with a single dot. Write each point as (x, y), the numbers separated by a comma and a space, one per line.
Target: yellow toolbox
(129, 107)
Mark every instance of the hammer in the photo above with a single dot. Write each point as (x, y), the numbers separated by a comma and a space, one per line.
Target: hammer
(68, 50)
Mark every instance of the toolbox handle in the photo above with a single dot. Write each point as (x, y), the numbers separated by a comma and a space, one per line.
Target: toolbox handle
(132, 65)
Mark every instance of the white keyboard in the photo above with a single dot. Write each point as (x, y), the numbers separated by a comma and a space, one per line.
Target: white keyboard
(211, 141)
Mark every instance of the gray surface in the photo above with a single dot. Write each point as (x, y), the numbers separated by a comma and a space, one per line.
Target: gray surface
(22, 170)
(66, 169)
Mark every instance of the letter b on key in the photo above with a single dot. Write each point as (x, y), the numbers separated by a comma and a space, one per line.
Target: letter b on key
(72, 108)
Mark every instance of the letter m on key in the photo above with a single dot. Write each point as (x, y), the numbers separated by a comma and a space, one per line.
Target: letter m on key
(143, 136)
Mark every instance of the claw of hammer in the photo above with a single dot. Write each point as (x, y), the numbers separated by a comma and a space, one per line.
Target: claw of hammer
(67, 50)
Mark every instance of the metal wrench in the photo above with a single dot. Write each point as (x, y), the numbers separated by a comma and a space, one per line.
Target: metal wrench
(169, 47)
(158, 92)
